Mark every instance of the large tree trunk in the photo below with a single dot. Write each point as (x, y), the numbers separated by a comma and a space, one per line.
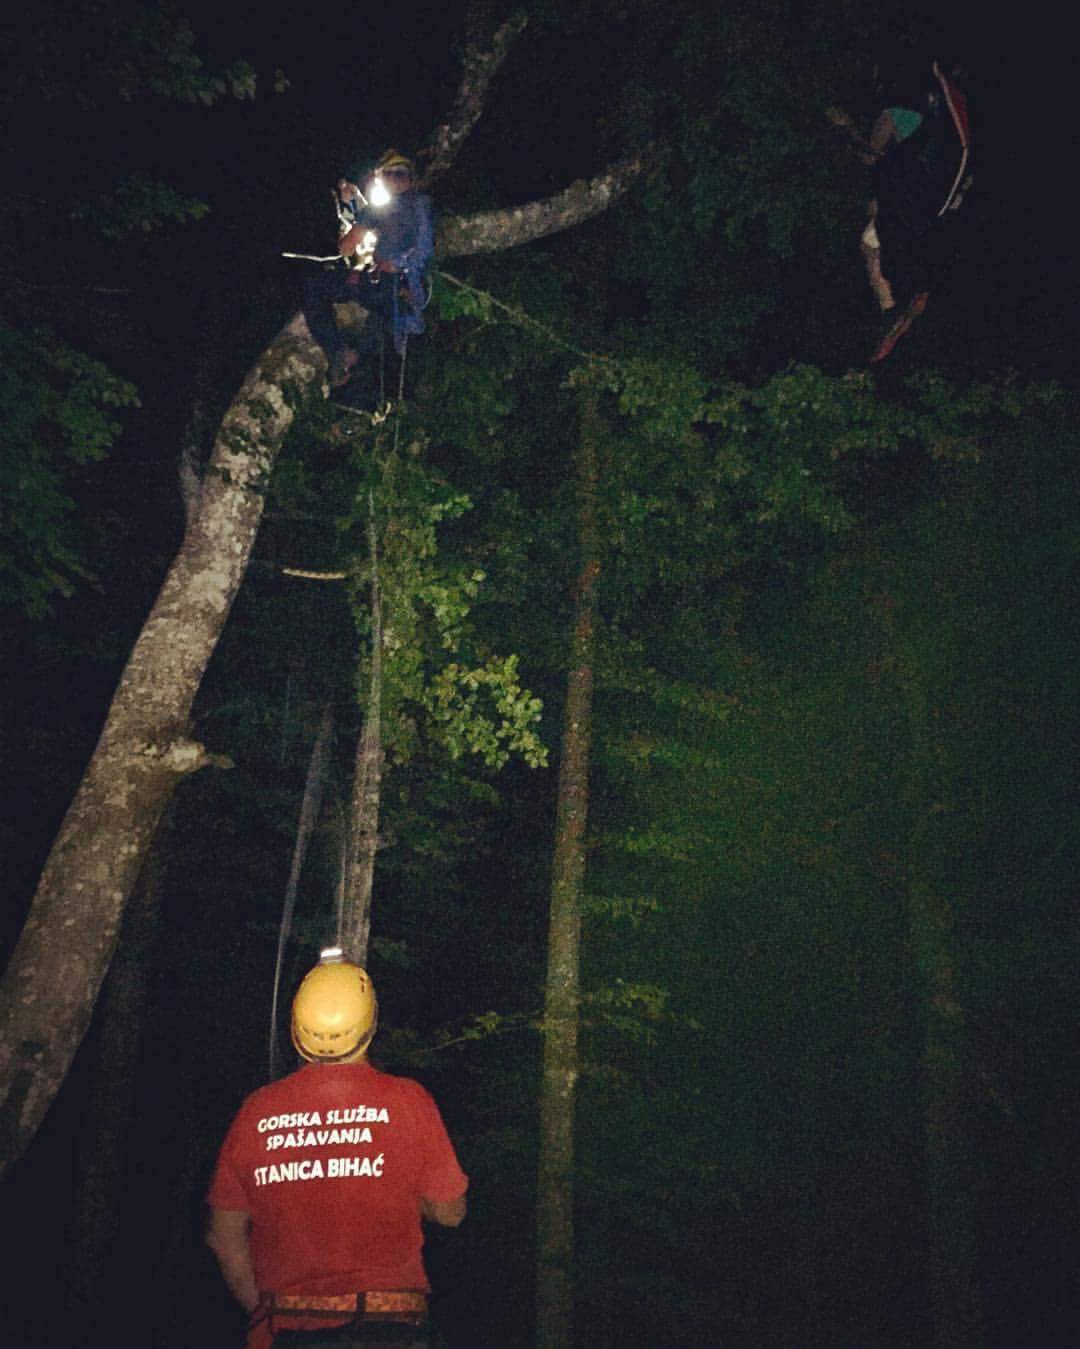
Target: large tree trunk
(555, 1183)
(55, 973)
(107, 1124)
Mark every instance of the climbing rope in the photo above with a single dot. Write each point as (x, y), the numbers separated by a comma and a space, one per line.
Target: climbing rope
(400, 393)
(309, 813)
(525, 320)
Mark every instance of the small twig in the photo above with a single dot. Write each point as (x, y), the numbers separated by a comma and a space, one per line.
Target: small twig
(315, 575)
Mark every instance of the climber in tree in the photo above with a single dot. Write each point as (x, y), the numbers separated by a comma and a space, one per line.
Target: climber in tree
(920, 149)
(386, 243)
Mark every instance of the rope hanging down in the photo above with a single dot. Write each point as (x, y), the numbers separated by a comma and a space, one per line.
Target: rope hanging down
(309, 813)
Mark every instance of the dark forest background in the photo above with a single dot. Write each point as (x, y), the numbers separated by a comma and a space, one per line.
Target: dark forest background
(831, 890)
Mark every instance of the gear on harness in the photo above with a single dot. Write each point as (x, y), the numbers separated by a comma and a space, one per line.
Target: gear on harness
(379, 1317)
(357, 240)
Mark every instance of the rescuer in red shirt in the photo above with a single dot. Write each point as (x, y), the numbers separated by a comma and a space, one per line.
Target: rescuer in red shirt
(323, 1180)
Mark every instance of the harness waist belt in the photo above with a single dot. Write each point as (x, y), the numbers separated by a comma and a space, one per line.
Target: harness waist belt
(397, 1306)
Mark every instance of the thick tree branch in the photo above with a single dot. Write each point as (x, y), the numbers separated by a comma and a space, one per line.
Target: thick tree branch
(492, 231)
(480, 67)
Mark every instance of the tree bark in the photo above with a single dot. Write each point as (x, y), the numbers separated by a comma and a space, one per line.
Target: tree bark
(493, 231)
(363, 837)
(107, 1124)
(558, 1091)
(479, 67)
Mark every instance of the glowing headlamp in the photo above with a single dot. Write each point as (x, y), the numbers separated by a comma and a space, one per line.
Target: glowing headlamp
(380, 193)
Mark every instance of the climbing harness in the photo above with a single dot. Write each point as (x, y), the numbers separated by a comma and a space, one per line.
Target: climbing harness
(390, 1316)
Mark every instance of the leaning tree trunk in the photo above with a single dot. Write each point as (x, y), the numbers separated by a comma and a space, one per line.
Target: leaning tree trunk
(106, 1126)
(55, 973)
(558, 1091)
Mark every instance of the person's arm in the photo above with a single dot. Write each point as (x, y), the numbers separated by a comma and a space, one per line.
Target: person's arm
(228, 1236)
(449, 1214)
(441, 1183)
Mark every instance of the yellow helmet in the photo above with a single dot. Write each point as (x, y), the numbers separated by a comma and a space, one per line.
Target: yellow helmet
(393, 159)
(334, 1011)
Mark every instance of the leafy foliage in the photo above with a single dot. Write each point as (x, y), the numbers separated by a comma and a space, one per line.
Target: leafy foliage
(136, 52)
(472, 702)
(59, 410)
(137, 204)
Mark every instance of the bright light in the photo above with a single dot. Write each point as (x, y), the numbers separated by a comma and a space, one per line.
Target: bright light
(370, 240)
(379, 194)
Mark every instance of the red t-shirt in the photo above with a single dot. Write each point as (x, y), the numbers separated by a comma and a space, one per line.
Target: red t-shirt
(333, 1163)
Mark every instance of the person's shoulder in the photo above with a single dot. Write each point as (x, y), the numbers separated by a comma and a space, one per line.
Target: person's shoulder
(407, 1088)
(264, 1098)
(395, 1080)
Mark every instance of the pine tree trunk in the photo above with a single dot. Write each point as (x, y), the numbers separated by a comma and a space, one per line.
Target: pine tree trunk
(555, 1184)
(56, 971)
